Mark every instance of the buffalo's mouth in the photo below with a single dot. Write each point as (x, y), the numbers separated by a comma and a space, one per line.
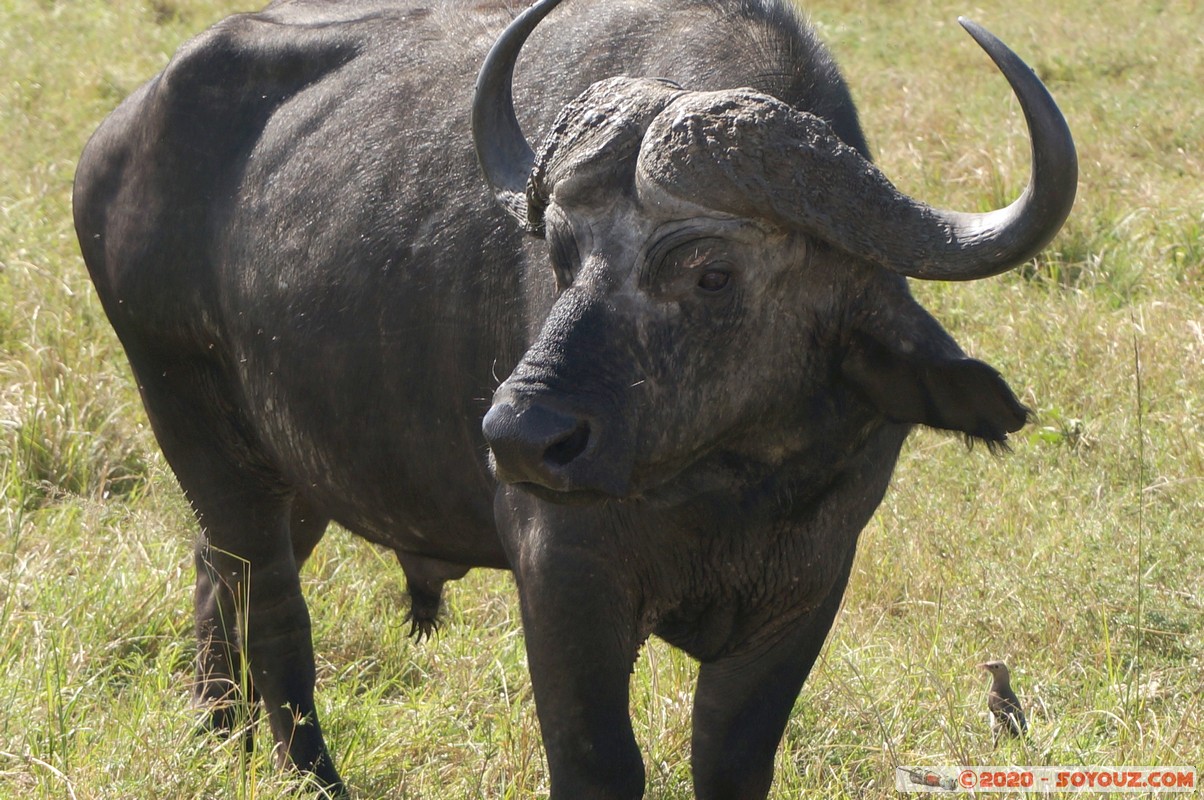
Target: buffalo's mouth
(564, 497)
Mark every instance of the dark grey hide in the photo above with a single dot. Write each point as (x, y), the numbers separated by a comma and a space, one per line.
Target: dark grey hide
(669, 411)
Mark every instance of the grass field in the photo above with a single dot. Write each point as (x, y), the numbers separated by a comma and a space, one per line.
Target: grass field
(1078, 557)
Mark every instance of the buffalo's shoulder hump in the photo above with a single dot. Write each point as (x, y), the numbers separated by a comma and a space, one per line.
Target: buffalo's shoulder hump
(245, 65)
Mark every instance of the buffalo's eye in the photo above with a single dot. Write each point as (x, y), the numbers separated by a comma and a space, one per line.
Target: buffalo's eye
(699, 265)
(714, 280)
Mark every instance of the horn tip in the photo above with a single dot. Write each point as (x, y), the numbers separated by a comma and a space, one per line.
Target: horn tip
(980, 34)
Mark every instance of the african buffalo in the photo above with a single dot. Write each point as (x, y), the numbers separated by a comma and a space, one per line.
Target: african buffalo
(707, 352)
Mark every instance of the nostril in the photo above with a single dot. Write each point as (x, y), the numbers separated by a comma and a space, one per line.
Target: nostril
(566, 449)
(535, 444)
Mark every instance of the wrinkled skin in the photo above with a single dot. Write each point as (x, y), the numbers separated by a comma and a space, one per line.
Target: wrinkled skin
(699, 407)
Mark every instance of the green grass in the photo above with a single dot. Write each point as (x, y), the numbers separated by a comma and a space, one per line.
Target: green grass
(1078, 557)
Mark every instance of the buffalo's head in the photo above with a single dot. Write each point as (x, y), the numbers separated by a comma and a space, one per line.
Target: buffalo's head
(731, 281)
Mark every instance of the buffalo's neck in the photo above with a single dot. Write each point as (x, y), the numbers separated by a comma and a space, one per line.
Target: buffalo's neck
(753, 551)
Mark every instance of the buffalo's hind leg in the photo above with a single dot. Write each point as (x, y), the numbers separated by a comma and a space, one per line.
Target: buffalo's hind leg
(249, 604)
(247, 559)
(222, 689)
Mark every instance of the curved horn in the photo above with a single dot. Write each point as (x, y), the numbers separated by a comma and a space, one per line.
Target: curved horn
(752, 155)
(502, 150)
(980, 245)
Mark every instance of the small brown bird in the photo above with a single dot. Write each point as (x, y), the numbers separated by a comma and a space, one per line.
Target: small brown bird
(1005, 706)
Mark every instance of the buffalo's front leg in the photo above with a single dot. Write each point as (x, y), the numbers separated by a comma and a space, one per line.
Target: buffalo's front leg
(580, 652)
(743, 701)
(579, 626)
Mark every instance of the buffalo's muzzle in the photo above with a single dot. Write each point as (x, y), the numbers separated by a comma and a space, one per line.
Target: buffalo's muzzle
(536, 444)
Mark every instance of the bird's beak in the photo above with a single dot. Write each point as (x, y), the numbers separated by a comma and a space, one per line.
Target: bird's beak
(983, 666)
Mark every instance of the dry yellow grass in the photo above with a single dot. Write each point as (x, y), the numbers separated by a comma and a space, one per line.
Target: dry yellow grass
(1077, 558)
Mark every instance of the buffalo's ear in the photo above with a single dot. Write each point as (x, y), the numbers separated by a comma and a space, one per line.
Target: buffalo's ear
(956, 394)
